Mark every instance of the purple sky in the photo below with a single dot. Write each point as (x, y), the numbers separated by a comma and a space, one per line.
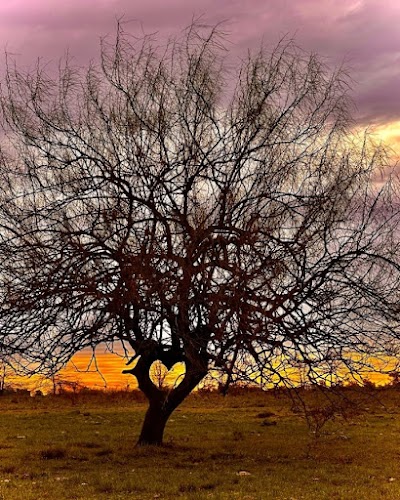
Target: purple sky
(363, 33)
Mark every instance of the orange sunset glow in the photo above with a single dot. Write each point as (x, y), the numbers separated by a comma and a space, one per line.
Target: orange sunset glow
(105, 371)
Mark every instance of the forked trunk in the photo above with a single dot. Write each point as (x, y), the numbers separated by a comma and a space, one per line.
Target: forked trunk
(163, 403)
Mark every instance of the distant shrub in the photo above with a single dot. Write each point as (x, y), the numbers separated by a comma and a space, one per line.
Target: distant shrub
(52, 453)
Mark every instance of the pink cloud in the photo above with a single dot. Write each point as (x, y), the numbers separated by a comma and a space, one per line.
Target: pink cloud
(363, 33)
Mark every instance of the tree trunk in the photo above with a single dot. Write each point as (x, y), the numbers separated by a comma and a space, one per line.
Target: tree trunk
(163, 403)
(153, 426)
(161, 406)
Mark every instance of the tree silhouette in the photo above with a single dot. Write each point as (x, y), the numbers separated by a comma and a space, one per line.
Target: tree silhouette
(223, 218)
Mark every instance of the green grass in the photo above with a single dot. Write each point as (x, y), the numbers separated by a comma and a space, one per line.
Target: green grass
(56, 448)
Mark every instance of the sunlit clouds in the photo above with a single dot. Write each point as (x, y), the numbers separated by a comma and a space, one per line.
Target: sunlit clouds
(361, 34)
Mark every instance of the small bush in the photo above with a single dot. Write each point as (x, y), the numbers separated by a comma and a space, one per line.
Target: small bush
(52, 453)
(265, 414)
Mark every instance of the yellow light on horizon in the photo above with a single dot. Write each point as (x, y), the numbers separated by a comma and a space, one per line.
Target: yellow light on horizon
(389, 134)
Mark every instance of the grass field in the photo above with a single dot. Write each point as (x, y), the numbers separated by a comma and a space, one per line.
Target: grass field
(244, 446)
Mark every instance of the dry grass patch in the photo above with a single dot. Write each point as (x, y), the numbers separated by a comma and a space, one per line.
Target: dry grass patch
(216, 448)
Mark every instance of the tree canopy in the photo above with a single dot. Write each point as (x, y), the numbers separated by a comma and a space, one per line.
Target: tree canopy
(198, 211)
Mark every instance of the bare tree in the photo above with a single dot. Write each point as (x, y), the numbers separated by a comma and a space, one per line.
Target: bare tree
(222, 218)
(4, 376)
(9, 377)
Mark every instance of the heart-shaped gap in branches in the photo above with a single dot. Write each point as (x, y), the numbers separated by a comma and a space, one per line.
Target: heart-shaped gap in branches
(164, 378)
